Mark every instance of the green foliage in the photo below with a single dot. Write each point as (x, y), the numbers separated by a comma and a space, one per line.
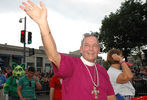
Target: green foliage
(106, 65)
(126, 28)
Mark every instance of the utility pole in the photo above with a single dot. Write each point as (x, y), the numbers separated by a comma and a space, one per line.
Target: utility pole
(23, 39)
(24, 60)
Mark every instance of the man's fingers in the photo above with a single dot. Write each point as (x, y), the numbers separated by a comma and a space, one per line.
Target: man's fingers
(42, 5)
(25, 9)
(27, 6)
(32, 4)
(22, 7)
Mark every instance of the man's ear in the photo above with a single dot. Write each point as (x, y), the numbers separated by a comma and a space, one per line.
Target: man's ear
(13, 65)
(99, 49)
(23, 66)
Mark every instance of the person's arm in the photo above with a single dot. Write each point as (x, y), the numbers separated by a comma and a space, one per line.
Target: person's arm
(112, 97)
(38, 85)
(19, 92)
(39, 15)
(126, 74)
(51, 94)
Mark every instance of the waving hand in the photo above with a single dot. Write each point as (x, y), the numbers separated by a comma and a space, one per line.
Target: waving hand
(39, 15)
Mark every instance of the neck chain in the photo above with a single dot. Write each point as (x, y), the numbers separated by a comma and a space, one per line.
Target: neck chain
(96, 85)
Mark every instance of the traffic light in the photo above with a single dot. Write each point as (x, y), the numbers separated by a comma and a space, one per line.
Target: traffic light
(29, 37)
(22, 39)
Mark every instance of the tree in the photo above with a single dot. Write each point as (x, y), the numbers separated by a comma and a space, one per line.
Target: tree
(106, 65)
(126, 28)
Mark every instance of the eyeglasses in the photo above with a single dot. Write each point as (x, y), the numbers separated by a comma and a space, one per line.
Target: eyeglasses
(30, 84)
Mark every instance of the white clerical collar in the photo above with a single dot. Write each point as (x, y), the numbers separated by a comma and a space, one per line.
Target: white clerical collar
(87, 62)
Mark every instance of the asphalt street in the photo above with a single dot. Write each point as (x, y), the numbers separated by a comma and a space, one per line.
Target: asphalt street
(42, 97)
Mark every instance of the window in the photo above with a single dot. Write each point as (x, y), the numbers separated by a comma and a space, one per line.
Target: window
(30, 65)
(5, 60)
(38, 69)
(39, 61)
(48, 67)
(16, 60)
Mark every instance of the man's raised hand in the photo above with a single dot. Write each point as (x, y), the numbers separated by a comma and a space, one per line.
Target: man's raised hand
(39, 15)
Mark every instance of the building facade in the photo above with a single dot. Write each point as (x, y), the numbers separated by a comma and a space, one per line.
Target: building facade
(34, 57)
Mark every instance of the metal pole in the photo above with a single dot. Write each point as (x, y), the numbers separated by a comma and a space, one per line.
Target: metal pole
(25, 41)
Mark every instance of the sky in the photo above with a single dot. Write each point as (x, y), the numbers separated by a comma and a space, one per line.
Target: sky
(68, 21)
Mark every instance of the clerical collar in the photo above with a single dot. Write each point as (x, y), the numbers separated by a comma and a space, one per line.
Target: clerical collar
(87, 62)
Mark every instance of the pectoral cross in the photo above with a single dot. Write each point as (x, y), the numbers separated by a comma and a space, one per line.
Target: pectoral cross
(95, 92)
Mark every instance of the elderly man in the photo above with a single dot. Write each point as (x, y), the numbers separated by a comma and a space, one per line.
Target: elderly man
(83, 79)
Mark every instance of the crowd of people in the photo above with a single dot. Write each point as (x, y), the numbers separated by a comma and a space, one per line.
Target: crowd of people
(25, 87)
(52, 85)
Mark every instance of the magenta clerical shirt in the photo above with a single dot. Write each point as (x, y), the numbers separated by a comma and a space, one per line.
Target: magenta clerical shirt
(77, 84)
